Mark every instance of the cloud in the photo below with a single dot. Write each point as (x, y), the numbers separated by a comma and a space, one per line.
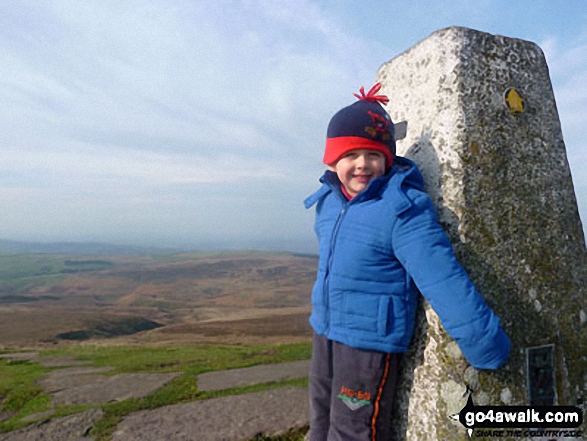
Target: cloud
(88, 165)
(127, 116)
(217, 72)
(568, 70)
(115, 109)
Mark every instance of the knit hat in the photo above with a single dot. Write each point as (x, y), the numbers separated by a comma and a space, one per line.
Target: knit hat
(362, 125)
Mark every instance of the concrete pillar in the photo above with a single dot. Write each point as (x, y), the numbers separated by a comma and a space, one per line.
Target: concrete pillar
(484, 129)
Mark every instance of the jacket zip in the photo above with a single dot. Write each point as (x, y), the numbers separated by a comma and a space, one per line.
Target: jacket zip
(329, 264)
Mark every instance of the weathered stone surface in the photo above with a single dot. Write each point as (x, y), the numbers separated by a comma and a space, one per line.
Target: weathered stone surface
(267, 373)
(4, 415)
(228, 418)
(503, 190)
(71, 428)
(87, 385)
(95, 389)
(231, 418)
(20, 356)
(64, 379)
(40, 416)
(61, 361)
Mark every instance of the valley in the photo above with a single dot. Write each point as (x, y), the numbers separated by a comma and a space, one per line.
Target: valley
(216, 298)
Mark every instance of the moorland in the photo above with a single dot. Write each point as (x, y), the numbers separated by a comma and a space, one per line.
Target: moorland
(148, 313)
(217, 298)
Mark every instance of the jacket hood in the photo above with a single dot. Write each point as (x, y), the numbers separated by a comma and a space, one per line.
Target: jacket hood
(407, 173)
(404, 174)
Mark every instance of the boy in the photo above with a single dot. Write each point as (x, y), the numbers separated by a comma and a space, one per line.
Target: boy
(379, 240)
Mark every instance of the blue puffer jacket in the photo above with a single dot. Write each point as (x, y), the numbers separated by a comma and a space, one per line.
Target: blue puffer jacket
(374, 251)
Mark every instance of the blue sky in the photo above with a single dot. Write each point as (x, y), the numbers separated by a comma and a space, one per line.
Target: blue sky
(201, 123)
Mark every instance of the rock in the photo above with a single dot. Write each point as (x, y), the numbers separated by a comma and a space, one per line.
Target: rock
(484, 129)
(38, 416)
(232, 418)
(253, 375)
(472, 378)
(20, 356)
(70, 428)
(6, 415)
(61, 361)
(97, 389)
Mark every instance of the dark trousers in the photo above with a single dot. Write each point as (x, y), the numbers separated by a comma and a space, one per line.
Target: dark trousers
(351, 392)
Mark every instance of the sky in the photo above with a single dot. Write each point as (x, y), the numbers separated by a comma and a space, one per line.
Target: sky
(201, 123)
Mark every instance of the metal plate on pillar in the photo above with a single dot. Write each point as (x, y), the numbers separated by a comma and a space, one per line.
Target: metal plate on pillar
(541, 378)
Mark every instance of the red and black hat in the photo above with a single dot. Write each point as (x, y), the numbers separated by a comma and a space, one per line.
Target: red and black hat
(362, 125)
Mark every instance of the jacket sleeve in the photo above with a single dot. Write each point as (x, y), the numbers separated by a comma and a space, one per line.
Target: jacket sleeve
(424, 250)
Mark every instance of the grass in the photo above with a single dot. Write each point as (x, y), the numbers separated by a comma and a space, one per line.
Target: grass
(19, 392)
(22, 271)
(182, 391)
(50, 282)
(165, 287)
(191, 359)
(18, 266)
(17, 384)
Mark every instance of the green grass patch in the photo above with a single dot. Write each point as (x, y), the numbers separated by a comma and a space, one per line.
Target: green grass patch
(17, 266)
(20, 393)
(191, 359)
(20, 272)
(17, 383)
(114, 412)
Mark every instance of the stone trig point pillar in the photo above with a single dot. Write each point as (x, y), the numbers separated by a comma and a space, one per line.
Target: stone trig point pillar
(484, 129)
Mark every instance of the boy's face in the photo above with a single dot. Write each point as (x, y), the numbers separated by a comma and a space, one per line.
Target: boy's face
(356, 168)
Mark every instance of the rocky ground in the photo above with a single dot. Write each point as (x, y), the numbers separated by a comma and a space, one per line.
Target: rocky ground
(238, 417)
(227, 418)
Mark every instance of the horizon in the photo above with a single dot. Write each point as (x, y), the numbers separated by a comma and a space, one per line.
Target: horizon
(177, 124)
(90, 247)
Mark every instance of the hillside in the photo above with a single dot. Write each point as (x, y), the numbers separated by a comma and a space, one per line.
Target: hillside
(77, 248)
(46, 299)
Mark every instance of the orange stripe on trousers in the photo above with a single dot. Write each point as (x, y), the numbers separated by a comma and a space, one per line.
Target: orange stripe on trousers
(379, 394)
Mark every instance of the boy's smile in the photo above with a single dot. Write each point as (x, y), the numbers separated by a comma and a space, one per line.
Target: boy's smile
(357, 168)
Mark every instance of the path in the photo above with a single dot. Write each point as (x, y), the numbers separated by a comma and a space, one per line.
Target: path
(219, 380)
(238, 417)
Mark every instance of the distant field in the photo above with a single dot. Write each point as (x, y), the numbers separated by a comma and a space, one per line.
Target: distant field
(253, 297)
